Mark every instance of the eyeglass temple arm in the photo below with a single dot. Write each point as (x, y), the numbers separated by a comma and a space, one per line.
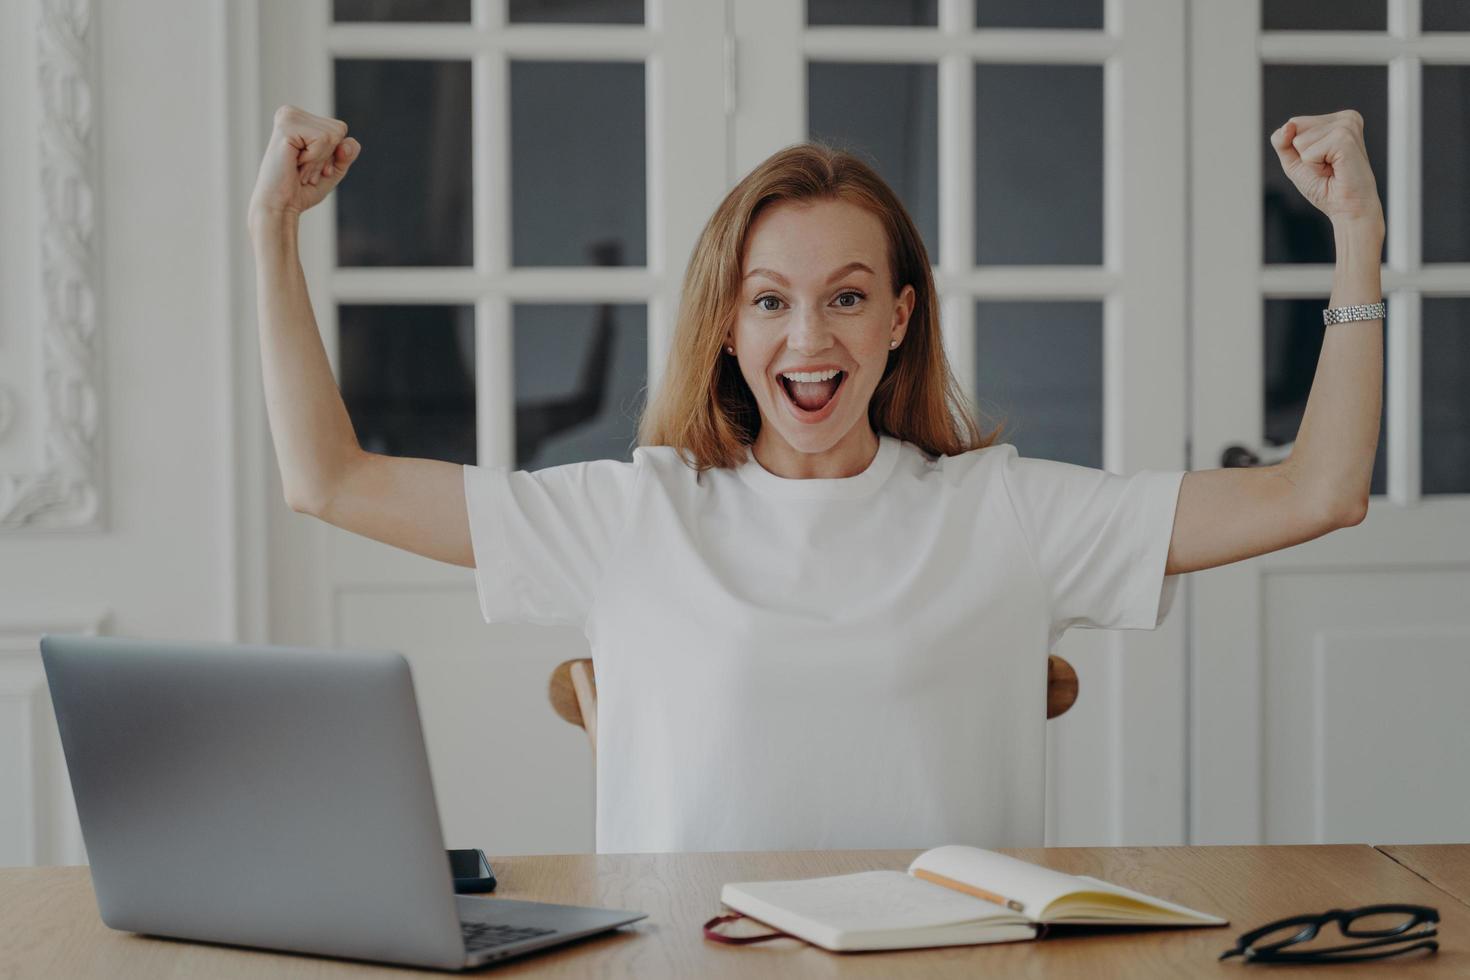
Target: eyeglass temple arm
(1249, 953)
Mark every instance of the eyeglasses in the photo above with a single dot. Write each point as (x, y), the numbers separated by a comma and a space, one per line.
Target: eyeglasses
(1380, 925)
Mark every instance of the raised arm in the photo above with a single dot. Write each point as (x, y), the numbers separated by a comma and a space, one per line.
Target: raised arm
(414, 504)
(1227, 515)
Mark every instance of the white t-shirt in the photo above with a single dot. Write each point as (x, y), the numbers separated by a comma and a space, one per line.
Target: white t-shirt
(828, 663)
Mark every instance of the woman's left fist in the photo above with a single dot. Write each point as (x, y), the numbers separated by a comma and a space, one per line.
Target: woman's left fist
(1327, 161)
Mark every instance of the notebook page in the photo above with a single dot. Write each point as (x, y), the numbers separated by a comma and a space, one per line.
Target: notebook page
(1032, 885)
(1181, 910)
(868, 900)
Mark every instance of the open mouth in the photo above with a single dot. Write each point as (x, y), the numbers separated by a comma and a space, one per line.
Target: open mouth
(810, 400)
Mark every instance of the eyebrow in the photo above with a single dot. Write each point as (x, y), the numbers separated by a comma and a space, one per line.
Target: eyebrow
(850, 267)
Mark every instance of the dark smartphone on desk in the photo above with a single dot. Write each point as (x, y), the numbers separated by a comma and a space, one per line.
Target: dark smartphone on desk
(471, 871)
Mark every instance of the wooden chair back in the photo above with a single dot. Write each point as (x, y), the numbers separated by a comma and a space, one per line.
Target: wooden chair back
(573, 692)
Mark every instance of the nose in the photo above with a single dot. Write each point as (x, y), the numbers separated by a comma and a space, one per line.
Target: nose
(808, 333)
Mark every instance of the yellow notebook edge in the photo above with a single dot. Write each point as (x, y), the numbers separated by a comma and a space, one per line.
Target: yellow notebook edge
(1151, 902)
(1154, 909)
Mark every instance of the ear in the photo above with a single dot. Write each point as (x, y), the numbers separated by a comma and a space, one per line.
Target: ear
(907, 300)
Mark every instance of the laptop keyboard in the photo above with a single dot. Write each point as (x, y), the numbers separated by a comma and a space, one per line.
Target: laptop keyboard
(480, 936)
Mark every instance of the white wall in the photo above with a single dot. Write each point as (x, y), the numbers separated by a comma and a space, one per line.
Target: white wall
(162, 563)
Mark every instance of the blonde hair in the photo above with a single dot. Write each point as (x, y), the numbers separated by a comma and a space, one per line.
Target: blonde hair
(704, 408)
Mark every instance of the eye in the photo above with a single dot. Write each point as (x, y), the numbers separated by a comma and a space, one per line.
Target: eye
(761, 300)
(857, 298)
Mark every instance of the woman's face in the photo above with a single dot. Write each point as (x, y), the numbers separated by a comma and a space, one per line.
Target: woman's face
(816, 298)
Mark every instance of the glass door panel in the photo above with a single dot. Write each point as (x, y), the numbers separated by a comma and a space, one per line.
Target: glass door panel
(577, 163)
(1038, 164)
(872, 13)
(580, 381)
(1039, 371)
(1314, 15)
(401, 11)
(1445, 15)
(408, 378)
(574, 11)
(1446, 406)
(1071, 14)
(1446, 155)
(409, 198)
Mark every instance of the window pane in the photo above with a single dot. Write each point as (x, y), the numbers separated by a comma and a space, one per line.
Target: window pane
(439, 11)
(1446, 161)
(578, 171)
(1314, 15)
(580, 377)
(1038, 188)
(1446, 379)
(1445, 15)
(575, 11)
(407, 200)
(889, 116)
(864, 13)
(1052, 406)
(1039, 13)
(402, 11)
(1292, 340)
(1294, 230)
(408, 378)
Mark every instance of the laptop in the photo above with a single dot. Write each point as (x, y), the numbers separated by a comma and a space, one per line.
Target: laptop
(274, 797)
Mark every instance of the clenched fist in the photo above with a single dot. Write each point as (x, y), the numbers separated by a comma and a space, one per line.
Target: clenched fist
(305, 158)
(1326, 159)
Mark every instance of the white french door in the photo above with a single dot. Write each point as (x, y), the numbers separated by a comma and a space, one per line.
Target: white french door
(1328, 680)
(1040, 150)
(507, 250)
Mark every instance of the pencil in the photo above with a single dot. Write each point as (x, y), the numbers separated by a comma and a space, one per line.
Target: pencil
(960, 886)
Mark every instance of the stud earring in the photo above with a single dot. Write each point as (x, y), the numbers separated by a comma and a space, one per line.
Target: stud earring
(893, 345)
(729, 349)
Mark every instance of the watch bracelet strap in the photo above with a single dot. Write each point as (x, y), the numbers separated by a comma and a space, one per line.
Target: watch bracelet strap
(1361, 311)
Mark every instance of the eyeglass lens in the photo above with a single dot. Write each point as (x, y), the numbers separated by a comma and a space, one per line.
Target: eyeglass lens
(1296, 933)
(1385, 923)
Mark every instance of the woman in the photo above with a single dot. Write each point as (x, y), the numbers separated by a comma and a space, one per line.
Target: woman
(818, 599)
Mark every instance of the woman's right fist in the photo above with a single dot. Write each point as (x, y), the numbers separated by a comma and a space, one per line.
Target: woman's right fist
(305, 158)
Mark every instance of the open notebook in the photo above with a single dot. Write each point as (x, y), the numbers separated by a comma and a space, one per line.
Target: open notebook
(951, 896)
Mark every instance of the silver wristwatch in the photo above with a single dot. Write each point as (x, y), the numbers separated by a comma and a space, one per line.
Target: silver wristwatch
(1342, 314)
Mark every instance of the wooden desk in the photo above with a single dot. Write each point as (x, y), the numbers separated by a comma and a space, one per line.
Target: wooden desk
(49, 925)
(1446, 866)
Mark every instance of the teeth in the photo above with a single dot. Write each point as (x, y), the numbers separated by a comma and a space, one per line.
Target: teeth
(810, 375)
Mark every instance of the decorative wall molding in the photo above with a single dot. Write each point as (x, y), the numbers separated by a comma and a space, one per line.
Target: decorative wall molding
(66, 491)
